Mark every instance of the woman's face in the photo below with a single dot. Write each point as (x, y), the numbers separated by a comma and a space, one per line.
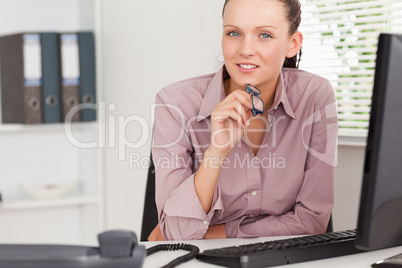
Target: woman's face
(255, 41)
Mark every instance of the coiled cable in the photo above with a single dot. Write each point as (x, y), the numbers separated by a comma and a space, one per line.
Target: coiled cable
(173, 247)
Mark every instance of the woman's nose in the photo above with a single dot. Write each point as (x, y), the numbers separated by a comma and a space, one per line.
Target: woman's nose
(247, 47)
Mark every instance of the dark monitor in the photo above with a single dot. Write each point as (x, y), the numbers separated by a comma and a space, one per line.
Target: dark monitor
(380, 216)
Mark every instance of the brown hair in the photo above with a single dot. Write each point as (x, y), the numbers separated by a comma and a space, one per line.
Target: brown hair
(293, 15)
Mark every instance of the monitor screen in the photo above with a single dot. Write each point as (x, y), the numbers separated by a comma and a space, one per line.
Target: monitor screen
(380, 215)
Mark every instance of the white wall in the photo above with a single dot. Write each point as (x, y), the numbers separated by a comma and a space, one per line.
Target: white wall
(147, 45)
(349, 174)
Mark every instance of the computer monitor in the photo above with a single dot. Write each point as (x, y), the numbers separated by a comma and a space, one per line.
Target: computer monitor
(380, 216)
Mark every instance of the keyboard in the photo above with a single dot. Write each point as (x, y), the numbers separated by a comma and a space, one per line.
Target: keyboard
(285, 251)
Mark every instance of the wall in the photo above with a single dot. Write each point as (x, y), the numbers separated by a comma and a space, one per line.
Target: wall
(349, 174)
(150, 44)
(147, 45)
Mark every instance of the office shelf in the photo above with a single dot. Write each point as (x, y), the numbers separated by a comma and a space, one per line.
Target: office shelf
(52, 203)
(10, 128)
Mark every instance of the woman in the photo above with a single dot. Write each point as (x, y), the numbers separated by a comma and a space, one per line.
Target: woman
(248, 151)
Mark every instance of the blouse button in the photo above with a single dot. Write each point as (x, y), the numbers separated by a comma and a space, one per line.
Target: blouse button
(205, 222)
(276, 107)
(254, 193)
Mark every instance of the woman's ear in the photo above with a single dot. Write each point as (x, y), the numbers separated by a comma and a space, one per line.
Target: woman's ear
(296, 41)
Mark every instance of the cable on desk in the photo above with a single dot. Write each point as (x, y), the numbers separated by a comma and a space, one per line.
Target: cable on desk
(173, 247)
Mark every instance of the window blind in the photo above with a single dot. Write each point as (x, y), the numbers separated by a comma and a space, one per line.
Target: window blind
(340, 44)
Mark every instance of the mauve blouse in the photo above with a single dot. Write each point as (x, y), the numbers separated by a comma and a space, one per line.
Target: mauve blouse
(286, 189)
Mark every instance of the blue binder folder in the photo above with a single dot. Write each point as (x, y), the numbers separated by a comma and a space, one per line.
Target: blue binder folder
(51, 78)
(87, 75)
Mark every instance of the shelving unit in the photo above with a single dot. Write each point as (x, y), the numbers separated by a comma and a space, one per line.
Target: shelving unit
(45, 152)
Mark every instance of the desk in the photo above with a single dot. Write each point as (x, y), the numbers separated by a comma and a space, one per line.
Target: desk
(361, 260)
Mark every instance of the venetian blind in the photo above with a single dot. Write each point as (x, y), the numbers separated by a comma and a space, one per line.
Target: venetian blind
(340, 44)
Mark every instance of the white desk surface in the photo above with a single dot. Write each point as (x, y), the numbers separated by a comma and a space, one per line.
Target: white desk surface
(361, 260)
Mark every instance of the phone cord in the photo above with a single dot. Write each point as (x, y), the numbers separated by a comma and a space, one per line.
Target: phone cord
(172, 247)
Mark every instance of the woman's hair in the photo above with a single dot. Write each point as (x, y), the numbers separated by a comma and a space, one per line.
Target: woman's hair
(293, 15)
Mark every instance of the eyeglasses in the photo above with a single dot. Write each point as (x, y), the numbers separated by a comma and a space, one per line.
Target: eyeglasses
(256, 101)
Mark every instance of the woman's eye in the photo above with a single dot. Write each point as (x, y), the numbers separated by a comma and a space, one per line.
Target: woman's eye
(265, 35)
(233, 33)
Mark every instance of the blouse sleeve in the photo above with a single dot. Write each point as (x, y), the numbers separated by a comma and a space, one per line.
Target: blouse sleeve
(181, 215)
(315, 199)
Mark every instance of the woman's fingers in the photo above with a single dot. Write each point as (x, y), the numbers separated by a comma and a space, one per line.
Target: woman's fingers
(233, 109)
(222, 115)
(234, 105)
(243, 97)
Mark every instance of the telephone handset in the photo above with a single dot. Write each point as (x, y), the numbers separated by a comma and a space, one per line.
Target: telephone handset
(122, 246)
(117, 249)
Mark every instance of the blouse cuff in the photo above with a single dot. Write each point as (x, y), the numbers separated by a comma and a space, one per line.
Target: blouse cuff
(184, 202)
(184, 208)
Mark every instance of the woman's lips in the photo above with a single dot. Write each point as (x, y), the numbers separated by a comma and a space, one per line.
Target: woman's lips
(247, 68)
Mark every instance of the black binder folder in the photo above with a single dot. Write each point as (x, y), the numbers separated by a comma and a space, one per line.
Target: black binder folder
(70, 77)
(51, 78)
(21, 78)
(87, 75)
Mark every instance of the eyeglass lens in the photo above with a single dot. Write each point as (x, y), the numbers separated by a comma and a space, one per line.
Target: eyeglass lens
(257, 103)
(255, 91)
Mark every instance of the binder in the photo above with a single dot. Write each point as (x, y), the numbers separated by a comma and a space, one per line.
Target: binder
(78, 86)
(21, 78)
(51, 78)
(70, 77)
(86, 42)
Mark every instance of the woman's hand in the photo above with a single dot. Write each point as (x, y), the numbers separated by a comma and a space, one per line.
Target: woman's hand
(227, 122)
(156, 234)
(215, 232)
